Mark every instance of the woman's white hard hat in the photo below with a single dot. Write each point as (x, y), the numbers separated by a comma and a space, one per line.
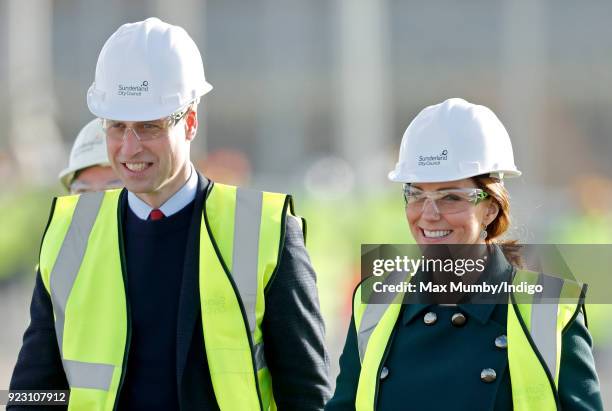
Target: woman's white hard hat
(454, 140)
(146, 71)
(88, 150)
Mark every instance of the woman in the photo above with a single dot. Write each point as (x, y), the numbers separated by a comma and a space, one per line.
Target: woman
(453, 159)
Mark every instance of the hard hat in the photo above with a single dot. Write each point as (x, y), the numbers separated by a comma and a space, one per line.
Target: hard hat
(146, 71)
(89, 150)
(451, 141)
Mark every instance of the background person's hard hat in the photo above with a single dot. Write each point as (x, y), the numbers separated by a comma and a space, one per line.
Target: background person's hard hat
(89, 150)
(146, 71)
(451, 141)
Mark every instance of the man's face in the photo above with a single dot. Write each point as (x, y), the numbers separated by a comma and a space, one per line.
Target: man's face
(95, 178)
(156, 168)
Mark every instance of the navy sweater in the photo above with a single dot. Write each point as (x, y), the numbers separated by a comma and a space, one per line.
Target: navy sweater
(155, 253)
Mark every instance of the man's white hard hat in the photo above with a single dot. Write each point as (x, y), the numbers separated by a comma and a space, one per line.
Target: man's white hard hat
(454, 140)
(146, 71)
(88, 150)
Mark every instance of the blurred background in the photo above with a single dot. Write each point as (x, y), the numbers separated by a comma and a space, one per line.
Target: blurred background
(312, 98)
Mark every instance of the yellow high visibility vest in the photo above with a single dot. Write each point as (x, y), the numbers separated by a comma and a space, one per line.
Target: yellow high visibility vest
(534, 333)
(80, 264)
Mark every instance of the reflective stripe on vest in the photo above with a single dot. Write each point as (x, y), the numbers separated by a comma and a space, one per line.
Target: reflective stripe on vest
(87, 292)
(79, 374)
(373, 313)
(534, 340)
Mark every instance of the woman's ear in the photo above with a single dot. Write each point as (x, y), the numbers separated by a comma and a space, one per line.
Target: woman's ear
(492, 212)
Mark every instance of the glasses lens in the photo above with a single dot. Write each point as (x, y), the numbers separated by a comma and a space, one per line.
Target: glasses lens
(450, 201)
(446, 201)
(415, 199)
(150, 130)
(147, 130)
(144, 130)
(114, 129)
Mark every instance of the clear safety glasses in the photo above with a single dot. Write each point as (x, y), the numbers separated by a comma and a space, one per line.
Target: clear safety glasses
(143, 130)
(443, 201)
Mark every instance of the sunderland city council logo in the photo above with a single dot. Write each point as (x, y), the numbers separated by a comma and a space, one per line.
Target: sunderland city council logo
(433, 160)
(133, 89)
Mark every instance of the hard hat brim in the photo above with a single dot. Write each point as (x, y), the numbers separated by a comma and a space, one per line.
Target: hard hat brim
(66, 176)
(398, 177)
(124, 109)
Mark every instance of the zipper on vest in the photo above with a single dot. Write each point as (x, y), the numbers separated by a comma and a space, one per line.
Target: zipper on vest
(384, 358)
(127, 302)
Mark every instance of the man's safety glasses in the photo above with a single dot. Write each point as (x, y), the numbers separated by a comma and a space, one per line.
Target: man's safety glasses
(447, 201)
(143, 130)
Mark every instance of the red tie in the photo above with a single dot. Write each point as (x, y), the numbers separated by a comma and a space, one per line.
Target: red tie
(156, 214)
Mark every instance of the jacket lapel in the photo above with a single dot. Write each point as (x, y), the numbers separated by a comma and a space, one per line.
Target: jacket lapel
(189, 300)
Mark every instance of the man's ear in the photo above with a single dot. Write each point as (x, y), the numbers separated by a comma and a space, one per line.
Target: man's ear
(492, 212)
(191, 124)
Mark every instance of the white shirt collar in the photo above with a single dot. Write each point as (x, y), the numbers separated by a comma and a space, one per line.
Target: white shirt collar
(173, 205)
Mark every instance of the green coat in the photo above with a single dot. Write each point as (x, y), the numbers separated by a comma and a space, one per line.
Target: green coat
(438, 366)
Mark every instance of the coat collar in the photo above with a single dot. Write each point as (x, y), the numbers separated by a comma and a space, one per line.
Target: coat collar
(184, 196)
(498, 269)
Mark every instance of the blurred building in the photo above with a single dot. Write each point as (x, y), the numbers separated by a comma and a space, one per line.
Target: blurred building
(306, 79)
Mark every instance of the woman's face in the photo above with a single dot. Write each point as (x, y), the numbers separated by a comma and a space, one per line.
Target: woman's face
(428, 226)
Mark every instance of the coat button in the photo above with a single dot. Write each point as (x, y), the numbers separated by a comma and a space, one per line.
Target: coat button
(384, 373)
(488, 375)
(501, 342)
(430, 318)
(458, 319)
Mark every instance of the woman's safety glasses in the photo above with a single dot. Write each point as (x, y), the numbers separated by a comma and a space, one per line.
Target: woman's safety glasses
(447, 201)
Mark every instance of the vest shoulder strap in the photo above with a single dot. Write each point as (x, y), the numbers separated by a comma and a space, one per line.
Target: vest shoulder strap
(565, 294)
(242, 220)
(69, 227)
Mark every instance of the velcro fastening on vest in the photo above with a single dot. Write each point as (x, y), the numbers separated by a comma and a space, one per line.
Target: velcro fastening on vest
(260, 358)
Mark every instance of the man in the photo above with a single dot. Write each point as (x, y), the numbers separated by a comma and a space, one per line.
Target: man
(177, 293)
(88, 167)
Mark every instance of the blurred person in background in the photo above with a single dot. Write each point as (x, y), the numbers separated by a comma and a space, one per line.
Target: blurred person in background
(498, 356)
(178, 292)
(88, 167)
